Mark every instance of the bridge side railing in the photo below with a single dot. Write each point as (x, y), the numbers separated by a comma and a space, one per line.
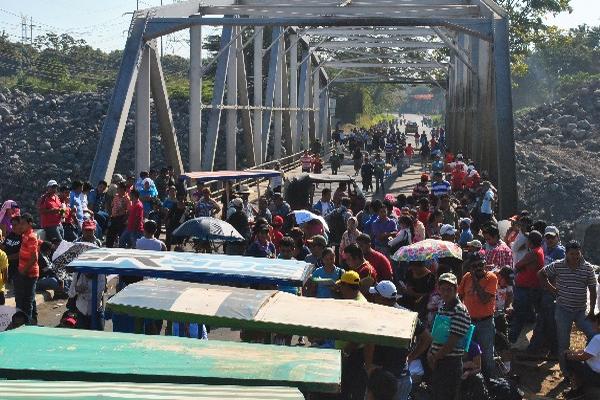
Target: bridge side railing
(286, 163)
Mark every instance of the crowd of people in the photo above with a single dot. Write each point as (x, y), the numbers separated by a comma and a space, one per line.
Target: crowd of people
(471, 312)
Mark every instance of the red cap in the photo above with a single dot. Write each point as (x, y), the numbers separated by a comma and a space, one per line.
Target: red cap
(89, 224)
(277, 220)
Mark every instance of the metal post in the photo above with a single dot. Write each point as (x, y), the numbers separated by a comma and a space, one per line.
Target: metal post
(231, 123)
(243, 100)
(270, 91)
(195, 113)
(303, 103)
(294, 92)
(142, 114)
(215, 113)
(277, 114)
(316, 102)
(306, 125)
(258, 94)
(507, 177)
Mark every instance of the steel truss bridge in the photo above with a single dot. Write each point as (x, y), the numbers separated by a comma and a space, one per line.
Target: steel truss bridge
(310, 45)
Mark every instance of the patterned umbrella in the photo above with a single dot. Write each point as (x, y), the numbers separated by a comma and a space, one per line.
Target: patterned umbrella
(67, 252)
(208, 228)
(428, 249)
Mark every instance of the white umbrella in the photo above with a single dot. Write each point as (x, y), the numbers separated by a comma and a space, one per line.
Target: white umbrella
(304, 216)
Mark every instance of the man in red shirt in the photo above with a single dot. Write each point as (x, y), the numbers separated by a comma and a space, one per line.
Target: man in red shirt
(135, 222)
(50, 208)
(497, 253)
(379, 261)
(356, 262)
(527, 292)
(29, 270)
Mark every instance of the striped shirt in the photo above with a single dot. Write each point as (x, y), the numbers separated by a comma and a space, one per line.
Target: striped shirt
(461, 321)
(572, 284)
(440, 188)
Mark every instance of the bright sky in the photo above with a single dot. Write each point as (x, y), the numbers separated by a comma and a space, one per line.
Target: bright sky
(102, 23)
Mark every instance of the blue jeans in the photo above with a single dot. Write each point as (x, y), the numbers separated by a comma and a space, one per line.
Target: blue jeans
(526, 306)
(25, 295)
(564, 322)
(544, 332)
(54, 233)
(404, 387)
(484, 335)
(48, 283)
(128, 239)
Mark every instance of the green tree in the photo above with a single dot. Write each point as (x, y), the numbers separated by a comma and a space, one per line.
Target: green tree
(527, 26)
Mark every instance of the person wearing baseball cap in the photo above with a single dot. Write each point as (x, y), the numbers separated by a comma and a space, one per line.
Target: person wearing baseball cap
(445, 359)
(393, 359)
(478, 291)
(553, 249)
(348, 286)
(448, 233)
(50, 209)
(88, 232)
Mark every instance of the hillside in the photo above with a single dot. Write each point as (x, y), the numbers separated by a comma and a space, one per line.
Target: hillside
(557, 163)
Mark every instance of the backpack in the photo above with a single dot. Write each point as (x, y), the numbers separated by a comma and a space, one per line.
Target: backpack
(337, 225)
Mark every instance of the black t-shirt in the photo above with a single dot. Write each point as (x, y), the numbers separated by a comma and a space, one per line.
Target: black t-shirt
(12, 245)
(393, 359)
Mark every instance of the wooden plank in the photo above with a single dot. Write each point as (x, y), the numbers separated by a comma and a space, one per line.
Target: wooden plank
(192, 267)
(61, 354)
(76, 390)
(266, 310)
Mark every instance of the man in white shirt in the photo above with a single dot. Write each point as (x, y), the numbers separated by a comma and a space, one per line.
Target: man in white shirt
(519, 246)
(583, 366)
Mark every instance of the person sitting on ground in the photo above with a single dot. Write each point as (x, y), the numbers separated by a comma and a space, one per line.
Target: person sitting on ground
(583, 366)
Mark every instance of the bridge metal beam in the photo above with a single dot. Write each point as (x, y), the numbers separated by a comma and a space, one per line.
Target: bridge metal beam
(278, 100)
(214, 120)
(270, 90)
(258, 94)
(244, 101)
(421, 65)
(232, 97)
(195, 113)
(293, 72)
(412, 11)
(142, 114)
(344, 32)
(303, 103)
(118, 110)
(164, 115)
(380, 44)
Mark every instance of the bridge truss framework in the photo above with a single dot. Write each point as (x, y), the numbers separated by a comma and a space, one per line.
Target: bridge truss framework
(391, 41)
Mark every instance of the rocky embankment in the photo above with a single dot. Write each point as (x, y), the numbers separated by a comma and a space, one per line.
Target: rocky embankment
(558, 157)
(54, 136)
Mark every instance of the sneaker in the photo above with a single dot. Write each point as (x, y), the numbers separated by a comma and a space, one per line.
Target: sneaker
(574, 394)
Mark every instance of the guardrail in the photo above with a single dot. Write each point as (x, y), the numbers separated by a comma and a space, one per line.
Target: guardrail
(286, 163)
